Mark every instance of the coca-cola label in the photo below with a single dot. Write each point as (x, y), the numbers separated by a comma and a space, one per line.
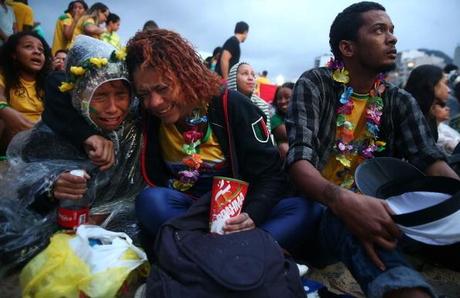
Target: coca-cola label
(226, 201)
(72, 218)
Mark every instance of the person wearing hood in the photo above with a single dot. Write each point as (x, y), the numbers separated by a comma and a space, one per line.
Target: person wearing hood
(40, 160)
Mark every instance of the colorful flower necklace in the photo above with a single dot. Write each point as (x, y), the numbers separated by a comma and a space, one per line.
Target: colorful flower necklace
(346, 146)
(192, 138)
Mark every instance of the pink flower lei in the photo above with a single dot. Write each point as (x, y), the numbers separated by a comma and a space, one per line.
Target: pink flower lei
(346, 146)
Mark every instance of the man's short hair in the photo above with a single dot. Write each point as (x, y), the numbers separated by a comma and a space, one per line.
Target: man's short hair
(150, 25)
(112, 18)
(241, 27)
(347, 23)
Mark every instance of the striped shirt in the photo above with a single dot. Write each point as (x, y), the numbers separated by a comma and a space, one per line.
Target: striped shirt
(311, 123)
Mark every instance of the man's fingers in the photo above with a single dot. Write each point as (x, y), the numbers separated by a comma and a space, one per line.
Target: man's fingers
(386, 243)
(391, 227)
(370, 250)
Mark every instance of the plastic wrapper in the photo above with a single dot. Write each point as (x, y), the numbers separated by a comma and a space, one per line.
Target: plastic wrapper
(35, 159)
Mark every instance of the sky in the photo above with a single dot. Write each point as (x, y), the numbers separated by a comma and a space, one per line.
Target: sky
(284, 36)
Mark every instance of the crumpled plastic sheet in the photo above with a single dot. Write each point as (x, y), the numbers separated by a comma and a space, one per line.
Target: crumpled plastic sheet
(35, 158)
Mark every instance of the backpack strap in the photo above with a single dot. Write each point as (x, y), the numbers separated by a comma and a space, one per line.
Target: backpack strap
(231, 143)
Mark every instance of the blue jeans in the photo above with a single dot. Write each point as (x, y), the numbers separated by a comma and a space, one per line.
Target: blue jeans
(291, 218)
(335, 241)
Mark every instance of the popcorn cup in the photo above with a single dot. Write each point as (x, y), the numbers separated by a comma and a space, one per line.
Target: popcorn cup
(227, 197)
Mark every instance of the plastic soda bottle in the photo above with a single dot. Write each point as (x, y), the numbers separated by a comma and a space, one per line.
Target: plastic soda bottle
(72, 213)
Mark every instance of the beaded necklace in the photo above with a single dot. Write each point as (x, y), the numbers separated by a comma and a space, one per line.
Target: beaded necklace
(192, 140)
(346, 146)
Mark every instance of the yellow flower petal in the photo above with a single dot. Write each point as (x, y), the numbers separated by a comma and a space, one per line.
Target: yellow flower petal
(98, 62)
(343, 160)
(121, 54)
(341, 76)
(77, 70)
(66, 87)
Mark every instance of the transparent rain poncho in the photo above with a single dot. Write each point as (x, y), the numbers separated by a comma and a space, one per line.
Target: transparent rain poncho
(36, 158)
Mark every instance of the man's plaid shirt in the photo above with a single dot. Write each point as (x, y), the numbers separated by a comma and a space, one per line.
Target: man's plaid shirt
(311, 123)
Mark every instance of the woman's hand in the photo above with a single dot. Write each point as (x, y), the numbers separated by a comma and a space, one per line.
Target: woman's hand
(241, 222)
(68, 186)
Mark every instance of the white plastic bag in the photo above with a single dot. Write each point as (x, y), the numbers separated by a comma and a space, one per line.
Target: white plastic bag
(95, 262)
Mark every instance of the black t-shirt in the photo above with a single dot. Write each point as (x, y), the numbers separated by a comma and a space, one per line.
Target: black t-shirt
(233, 46)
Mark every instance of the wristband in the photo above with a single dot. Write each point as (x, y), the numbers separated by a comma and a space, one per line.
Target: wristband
(3, 105)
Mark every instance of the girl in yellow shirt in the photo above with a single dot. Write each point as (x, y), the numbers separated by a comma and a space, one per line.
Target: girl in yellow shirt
(89, 23)
(24, 63)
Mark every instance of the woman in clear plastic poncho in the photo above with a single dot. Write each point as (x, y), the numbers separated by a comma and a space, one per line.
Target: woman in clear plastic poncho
(40, 160)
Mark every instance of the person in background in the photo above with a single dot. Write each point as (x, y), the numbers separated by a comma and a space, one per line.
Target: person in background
(25, 60)
(280, 104)
(59, 60)
(65, 24)
(23, 13)
(150, 25)
(451, 71)
(231, 51)
(7, 22)
(261, 79)
(211, 61)
(242, 78)
(89, 23)
(429, 85)
(112, 24)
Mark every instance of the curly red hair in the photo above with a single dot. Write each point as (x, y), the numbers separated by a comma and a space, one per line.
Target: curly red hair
(176, 60)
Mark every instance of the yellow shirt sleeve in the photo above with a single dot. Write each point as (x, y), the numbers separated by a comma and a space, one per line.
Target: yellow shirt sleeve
(28, 16)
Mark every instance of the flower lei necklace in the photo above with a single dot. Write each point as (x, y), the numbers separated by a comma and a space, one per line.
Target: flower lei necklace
(192, 138)
(346, 146)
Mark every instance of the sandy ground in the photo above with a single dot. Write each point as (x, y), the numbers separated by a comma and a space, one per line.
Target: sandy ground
(336, 277)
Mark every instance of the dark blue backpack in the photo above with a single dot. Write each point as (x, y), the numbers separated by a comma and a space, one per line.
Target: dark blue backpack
(191, 262)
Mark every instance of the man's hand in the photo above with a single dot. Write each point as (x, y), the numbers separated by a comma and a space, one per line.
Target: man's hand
(68, 186)
(100, 151)
(241, 222)
(369, 219)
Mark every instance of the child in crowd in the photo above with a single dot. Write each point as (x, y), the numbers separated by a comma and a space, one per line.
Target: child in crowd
(65, 25)
(89, 23)
(112, 24)
(24, 62)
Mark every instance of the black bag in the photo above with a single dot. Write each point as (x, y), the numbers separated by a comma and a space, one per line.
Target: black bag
(191, 262)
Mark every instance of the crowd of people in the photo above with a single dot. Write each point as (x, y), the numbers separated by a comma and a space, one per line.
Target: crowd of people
(152, 125)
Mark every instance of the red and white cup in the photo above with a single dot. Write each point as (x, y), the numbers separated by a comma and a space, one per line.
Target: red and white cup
(227, 197)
